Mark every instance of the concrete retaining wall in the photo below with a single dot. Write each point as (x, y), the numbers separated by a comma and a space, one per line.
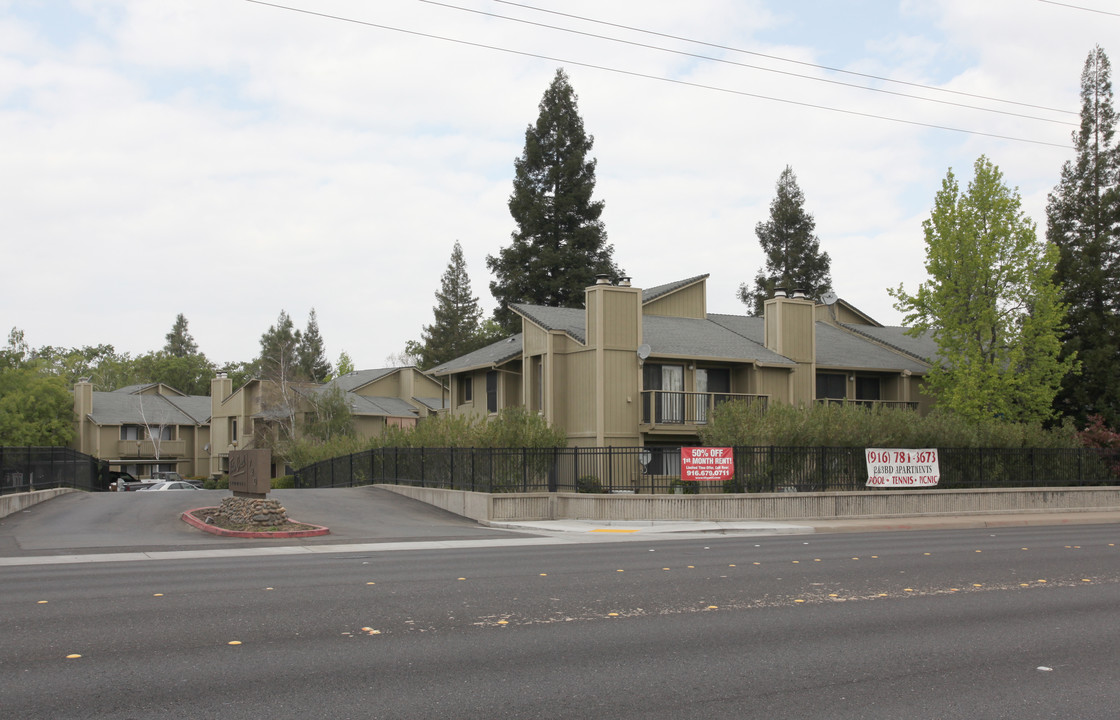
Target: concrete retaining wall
(18, 501)
(484, 507)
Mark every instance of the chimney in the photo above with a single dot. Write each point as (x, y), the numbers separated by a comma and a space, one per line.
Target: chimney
(602, 279)
(624, 281)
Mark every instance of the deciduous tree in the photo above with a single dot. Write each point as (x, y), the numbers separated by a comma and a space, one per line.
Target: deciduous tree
(560, 244)
(990, 302)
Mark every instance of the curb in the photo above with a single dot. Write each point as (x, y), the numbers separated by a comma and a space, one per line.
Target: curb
(191, 520)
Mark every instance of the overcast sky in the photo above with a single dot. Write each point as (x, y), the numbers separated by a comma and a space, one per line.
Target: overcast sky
(227, 159)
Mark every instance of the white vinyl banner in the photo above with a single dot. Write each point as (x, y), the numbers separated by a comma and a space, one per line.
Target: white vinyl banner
(902, 468)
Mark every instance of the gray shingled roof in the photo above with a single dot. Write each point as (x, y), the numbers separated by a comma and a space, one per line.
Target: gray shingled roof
(197, 406)
(835, 348)
(354, 380)
(572, 321)
(388, 406)
(116, 408)
(492, 355)
(690, 337)
(369, 405)
(650, 294)
(839, 349)
(923, 347)
(432, 403)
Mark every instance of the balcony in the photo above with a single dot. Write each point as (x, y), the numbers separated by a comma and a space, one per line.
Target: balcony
(904, 405)
(674, 411)
(146, 449)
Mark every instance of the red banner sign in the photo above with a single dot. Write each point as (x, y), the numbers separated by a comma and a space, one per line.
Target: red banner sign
(707, 464)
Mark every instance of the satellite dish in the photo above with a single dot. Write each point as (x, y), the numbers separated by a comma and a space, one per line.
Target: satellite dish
(829, 298)
(644, 351)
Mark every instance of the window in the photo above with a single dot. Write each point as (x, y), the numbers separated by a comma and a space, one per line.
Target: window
(716, 381)
(537, 381)
(669, 380)
(466, 384)
(831, 386)
(867, 388)
(233, 429)
(492, 391)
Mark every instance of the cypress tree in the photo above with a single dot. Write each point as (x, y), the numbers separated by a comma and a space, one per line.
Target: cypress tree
(1083, 221)
(560, 244)
(793, 251)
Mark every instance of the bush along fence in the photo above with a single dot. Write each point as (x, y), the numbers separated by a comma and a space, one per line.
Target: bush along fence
(657, 469)
(23, 469)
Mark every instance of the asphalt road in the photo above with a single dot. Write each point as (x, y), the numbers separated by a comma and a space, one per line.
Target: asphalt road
(118, 522)
(1015, 623)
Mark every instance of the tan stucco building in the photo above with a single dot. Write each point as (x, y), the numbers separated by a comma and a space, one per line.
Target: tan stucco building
(241, 418)
(143, 429)
(646, 367)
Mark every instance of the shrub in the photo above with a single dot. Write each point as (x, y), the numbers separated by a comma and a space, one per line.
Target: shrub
(589, 484)
(285, 482)
(738, 424)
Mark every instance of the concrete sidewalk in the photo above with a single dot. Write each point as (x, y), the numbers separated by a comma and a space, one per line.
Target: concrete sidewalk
(765, 527)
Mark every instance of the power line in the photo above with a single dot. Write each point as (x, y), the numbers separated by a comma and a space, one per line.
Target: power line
(1075, 7)
(757, 67)
(788, 60)
(746, 65)
(631, 73)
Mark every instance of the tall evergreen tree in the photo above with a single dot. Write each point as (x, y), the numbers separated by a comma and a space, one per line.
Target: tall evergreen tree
(560, 244)
(990, 302)
(179, 341)
(794, 260)
(279, 358)
(458, 318)
(1083, 220)
(312, 356)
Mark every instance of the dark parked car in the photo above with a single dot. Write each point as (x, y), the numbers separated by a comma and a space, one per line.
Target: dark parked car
(117, 477)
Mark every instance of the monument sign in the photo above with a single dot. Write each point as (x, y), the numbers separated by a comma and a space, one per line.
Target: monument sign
(249, 472)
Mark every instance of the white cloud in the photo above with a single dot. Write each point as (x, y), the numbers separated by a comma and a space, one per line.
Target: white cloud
(229, 160)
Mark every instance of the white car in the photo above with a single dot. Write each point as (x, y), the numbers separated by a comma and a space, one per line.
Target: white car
(173, 485)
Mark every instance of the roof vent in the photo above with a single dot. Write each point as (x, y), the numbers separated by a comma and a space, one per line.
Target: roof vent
(602, 279)
(779, 292)
(624, 281)
(799, 294)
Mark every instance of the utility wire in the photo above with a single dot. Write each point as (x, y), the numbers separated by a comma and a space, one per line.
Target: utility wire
(746, 65)
(631, 73)
(788, 60)
(1075, 7)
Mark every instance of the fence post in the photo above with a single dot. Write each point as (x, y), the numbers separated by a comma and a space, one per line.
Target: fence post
(772, 475)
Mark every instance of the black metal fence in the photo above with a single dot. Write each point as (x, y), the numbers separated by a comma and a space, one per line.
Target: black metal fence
(657, 469)
(23, 469)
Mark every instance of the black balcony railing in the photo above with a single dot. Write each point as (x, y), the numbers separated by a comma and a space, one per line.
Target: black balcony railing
(906, 405)
(672, 407)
